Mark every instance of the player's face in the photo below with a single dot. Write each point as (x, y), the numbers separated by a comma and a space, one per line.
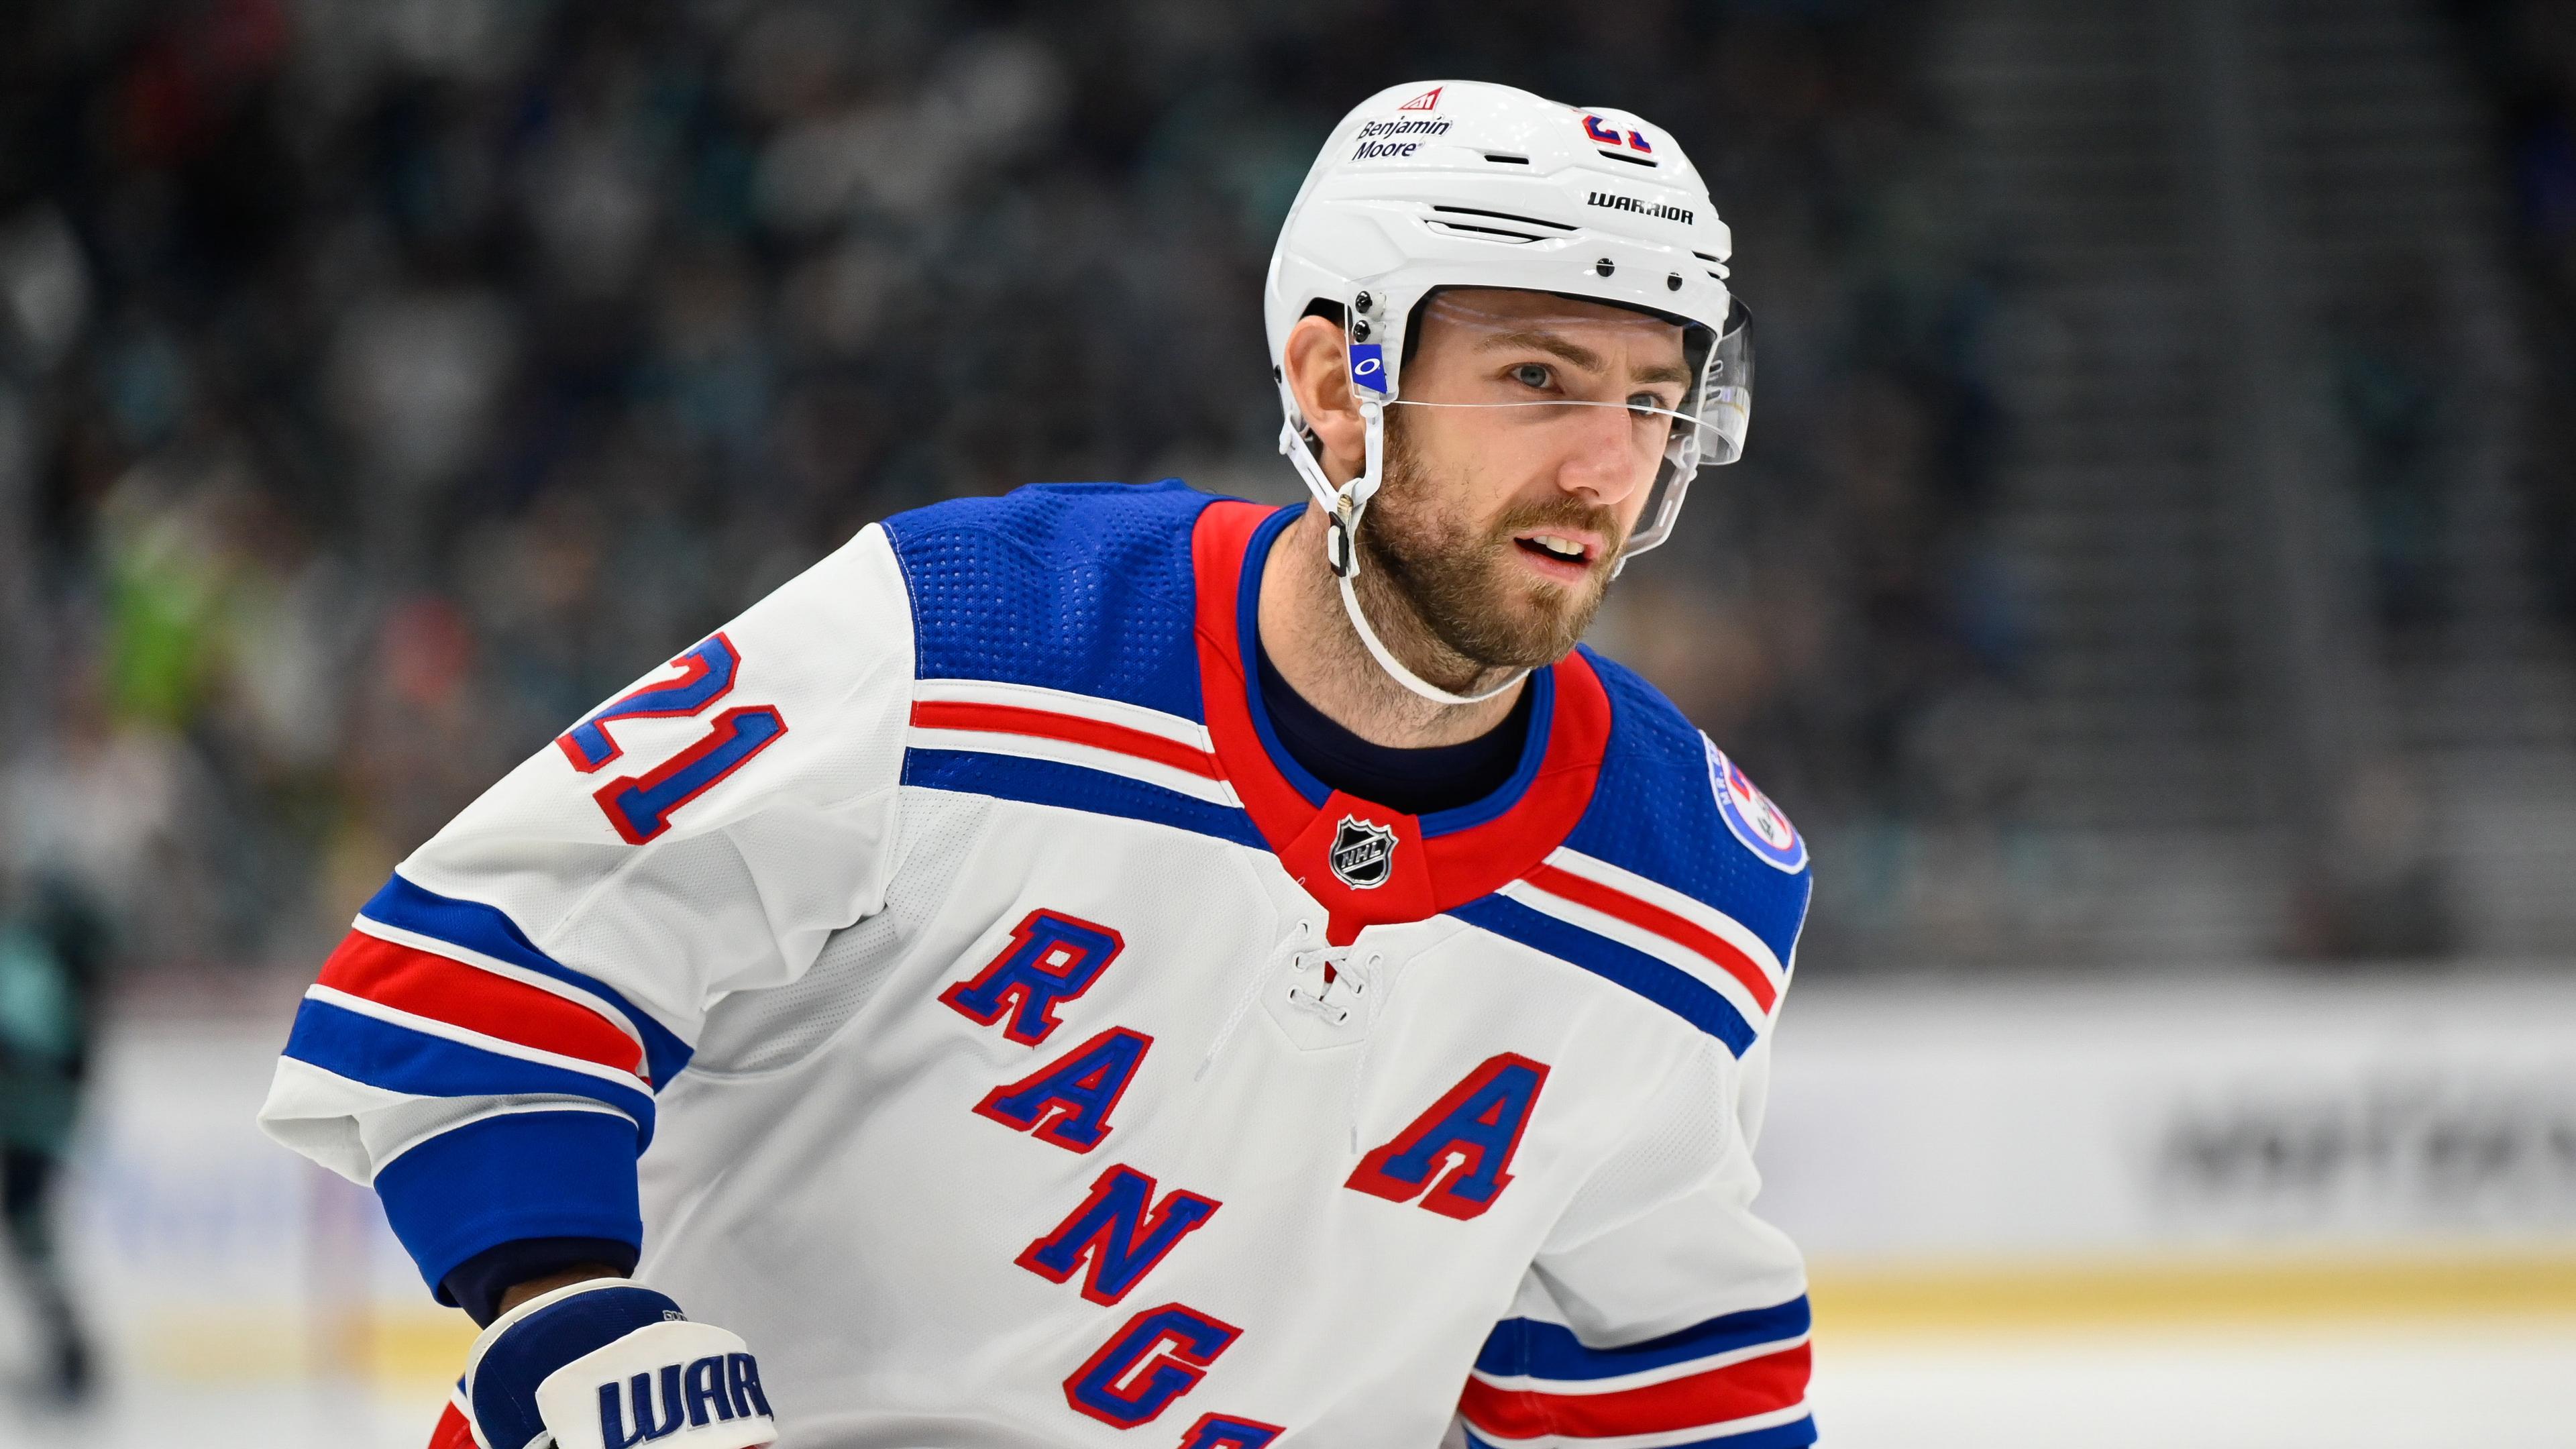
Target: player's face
(1501, 525)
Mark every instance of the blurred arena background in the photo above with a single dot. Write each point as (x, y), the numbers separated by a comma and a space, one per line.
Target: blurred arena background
(2151, 584)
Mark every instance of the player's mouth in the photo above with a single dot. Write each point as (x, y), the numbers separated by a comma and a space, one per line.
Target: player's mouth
(1565, 555)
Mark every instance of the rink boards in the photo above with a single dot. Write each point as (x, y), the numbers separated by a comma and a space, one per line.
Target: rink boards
(2192, 1163)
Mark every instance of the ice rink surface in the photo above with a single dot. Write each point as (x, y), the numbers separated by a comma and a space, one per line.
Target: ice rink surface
(2473, 1385)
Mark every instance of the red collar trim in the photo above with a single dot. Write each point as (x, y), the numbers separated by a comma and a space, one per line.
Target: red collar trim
(1418, 877)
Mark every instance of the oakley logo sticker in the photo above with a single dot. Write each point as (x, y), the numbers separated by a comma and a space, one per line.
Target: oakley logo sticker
(1368, 367)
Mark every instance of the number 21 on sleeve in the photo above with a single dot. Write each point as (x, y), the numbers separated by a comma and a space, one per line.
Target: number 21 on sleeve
(640, 806)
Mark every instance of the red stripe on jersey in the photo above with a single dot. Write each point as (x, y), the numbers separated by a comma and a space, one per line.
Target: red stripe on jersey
(452, 1432)
(460, 995)
(1646, 916)
(1012, 719)
(1762, 1385)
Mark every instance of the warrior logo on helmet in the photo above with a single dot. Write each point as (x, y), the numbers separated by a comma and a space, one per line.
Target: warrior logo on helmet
(1659, 210)
(1363, 853)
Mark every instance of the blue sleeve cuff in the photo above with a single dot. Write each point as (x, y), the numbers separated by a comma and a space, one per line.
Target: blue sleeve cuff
(478, 1284)
(507, 1178)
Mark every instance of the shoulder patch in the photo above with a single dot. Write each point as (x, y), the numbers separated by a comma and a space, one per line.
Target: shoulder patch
(1751, 815)
(1662, 810)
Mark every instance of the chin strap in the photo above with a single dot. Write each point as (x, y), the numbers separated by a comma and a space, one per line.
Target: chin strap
(1343, 508)
(1387, 661)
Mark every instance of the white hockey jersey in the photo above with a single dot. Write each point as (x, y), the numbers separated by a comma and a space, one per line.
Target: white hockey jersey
(1022, 1050)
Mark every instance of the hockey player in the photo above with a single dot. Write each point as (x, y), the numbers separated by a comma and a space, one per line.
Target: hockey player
(1115, 966)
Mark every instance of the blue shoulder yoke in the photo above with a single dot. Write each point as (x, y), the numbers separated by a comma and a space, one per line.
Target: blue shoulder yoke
(1655, 812)
(1084, 587)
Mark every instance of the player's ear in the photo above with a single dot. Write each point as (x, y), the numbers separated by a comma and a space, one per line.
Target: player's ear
(1319, 375)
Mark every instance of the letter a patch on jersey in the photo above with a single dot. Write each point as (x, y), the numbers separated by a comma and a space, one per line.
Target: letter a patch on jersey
(1069, 1101)
(1457, 1156)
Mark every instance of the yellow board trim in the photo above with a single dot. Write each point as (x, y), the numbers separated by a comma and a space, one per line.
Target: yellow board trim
(414, 1349)
(420, 1350)
(1951, 1298)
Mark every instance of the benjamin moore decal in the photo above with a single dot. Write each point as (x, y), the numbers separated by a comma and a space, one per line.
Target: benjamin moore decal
(1381, 138)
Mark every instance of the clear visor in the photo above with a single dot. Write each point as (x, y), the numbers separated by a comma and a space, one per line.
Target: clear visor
(1662, 388)
(1726, 391)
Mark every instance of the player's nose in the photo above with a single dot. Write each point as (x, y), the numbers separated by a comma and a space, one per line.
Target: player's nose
(1600, 462)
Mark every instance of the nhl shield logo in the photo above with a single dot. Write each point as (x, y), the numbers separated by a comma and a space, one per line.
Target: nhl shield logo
(1363, 854)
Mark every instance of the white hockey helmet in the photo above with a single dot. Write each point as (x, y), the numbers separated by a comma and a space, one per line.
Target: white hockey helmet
(1468, 184)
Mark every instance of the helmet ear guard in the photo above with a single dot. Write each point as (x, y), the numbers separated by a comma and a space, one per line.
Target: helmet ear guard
(1344, 505)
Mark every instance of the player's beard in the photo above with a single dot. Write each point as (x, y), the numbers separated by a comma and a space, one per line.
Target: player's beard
(1459, 580)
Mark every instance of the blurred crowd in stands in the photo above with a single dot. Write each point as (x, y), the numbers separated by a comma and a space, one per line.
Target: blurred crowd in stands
(383, 382)
(2526, 53)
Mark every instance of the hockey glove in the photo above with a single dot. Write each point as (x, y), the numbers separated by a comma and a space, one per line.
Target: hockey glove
(611, 1364)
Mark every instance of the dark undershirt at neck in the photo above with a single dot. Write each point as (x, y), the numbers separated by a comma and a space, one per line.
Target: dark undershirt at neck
(1415, 781)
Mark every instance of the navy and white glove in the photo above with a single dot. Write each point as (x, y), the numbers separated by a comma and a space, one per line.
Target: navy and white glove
(608, 1363)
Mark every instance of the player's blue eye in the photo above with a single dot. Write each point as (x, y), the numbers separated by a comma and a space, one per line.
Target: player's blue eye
(1531, 374)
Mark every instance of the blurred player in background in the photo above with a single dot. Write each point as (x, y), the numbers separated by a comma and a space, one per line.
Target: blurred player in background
(1110, 956)
(51, 951)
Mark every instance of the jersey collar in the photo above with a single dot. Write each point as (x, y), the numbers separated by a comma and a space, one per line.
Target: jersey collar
(1364, 863)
